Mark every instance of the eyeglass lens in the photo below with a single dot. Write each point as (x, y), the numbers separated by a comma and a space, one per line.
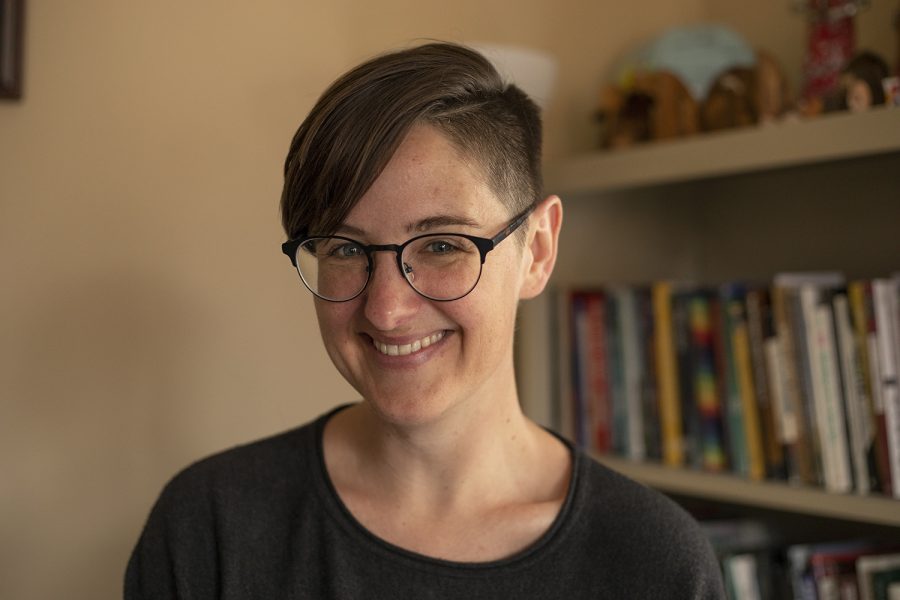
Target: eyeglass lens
(440, 267)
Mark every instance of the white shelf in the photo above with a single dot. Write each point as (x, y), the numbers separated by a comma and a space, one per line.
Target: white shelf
(829, 137)
(877, 510)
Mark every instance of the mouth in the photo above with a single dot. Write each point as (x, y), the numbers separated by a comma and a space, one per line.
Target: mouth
(408, 348)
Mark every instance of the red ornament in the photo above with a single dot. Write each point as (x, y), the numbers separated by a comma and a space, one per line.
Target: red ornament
(831, 45)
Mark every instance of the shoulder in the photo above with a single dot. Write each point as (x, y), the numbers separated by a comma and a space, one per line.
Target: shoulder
(255, 478)
(642, 531)
(636, 507)
(267, 462)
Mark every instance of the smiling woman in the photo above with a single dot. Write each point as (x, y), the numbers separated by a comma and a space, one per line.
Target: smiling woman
(400, 188)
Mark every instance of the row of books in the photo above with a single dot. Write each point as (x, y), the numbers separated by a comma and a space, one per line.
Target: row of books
(756, 566)
(792, 380)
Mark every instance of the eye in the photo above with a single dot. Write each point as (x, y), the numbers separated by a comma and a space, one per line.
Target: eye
(346, 250)
(441, 247)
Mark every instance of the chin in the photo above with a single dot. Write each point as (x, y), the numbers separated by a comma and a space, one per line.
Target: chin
(408, 412)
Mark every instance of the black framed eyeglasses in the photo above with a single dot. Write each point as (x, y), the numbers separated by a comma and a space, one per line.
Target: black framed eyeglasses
(439, 266)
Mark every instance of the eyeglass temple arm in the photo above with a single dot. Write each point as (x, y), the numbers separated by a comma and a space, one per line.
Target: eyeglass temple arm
(513, 225)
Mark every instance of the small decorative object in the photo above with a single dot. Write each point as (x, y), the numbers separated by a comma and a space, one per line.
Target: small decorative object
(891, 87)
(773, 96)
(830, 44)
(653, 106)
(625, 117)
(11, 23)
(861, 82)
(744, 96)
(691, 79)
(731, 102)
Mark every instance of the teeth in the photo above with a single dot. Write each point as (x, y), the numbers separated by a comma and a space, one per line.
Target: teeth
(404, 349)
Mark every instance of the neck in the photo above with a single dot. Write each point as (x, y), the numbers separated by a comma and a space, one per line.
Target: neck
(478, 450)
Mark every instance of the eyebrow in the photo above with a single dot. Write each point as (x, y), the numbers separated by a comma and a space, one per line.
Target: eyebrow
(427, 224)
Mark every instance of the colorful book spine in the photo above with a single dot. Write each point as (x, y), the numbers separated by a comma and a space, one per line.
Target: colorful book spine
(732, 297)
(706, 391)
(684, 359)
(750, 412)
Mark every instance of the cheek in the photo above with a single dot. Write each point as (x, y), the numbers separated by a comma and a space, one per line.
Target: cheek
(334, 320)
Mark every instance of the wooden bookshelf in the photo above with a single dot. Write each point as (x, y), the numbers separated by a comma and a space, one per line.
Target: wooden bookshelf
(822, 194)
(826, 138)
(875, 510)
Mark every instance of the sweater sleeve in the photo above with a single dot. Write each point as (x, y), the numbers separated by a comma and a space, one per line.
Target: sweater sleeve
(176, 556)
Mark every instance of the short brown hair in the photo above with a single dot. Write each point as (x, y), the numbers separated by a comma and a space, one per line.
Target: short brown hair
(358, 123)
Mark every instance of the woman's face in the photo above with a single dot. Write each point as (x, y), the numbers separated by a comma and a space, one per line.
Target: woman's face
(411, 358)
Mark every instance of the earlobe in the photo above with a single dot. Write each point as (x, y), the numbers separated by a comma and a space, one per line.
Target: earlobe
(543, 241)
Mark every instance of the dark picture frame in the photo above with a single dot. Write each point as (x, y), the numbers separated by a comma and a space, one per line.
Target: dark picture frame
(12, 19)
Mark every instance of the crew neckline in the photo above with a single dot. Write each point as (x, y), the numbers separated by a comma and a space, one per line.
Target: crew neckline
(543, 545)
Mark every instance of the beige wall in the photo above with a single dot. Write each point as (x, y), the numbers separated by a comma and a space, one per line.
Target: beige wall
(146, 315)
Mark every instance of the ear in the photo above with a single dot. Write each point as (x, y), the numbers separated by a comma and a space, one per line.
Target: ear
(541, 246)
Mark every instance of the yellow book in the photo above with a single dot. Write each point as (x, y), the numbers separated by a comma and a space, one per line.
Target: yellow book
(752, 429)
(667, 376)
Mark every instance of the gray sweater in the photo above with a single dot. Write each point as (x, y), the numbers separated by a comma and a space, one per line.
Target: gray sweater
(263, 521)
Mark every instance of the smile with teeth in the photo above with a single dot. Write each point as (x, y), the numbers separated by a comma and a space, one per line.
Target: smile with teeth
(404, 349)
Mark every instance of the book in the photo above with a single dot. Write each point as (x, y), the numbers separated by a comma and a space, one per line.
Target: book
(800, 562)
(615, 368)
(884, 295)
(742, 417)
(667, 376)
(749, 405)
(592, 418)
(595, 358)
(633, 367)
(742, 579)
(883, 581)
(798, 324)
(867, 565)
(684, 360)
(863, 313)
(856, 402)
(762, 338)
(648, 387)
(835, 574)
(707, 401)
(784, 365)
(825, 387)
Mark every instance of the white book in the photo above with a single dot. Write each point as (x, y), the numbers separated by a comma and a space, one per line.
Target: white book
(633, 370)
(884, 298)
(786, 426)
(741, 569)
(823, 379)
(856, 401)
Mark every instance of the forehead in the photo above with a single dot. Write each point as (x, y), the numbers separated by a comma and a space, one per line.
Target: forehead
(426, 177)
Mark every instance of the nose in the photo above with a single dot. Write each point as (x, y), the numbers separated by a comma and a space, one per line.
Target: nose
(389, 299)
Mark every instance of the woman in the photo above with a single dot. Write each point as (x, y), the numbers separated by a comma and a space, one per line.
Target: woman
(413, 207)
